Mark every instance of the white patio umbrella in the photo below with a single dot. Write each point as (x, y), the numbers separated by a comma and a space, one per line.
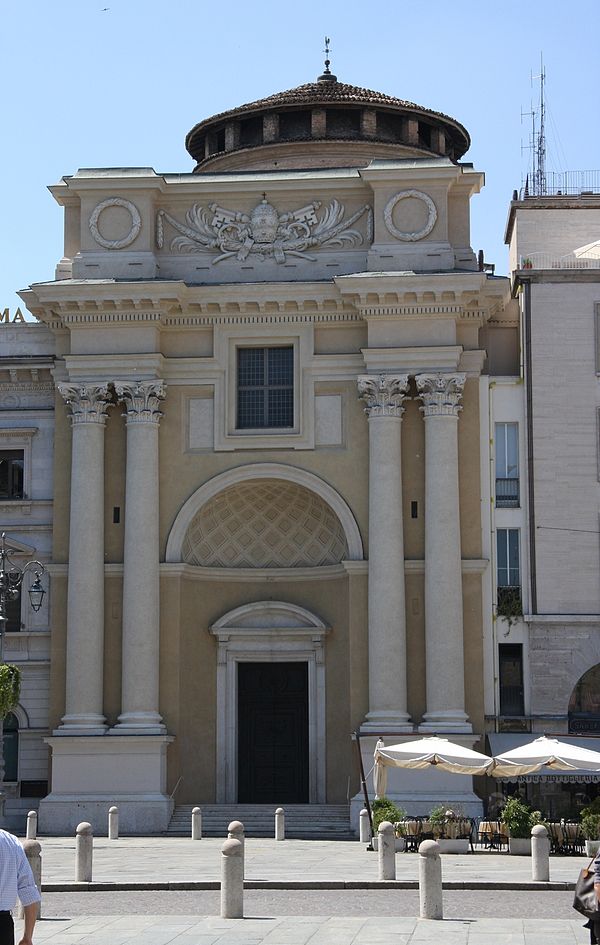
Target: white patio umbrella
(379, 774)
(433, 751)
(589, 251)
(545, 752)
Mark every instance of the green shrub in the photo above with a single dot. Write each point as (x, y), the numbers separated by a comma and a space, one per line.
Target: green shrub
(10, 688)
(517, 817)
(593, 808)
(384, 809)
(590, 826)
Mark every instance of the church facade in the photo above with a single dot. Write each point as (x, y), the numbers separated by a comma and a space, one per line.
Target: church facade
(272, 453)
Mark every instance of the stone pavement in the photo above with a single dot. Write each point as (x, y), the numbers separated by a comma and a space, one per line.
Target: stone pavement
(288, 864)
(171, 862)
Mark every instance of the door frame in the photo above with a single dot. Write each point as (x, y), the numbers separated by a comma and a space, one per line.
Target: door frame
(269, 632)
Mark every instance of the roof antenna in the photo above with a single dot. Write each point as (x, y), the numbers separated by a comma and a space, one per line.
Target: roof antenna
(327, 76)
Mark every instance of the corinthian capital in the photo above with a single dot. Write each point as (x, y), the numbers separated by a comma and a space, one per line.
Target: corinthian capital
(440, 393)
(383, 394)
(141, 399)
(88, 402)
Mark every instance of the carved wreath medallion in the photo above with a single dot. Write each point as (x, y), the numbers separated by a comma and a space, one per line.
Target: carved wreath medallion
(264, 233)
(136, 223)
(410, 237)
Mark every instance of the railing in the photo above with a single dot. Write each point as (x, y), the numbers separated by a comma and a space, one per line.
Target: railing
(565, 183)
(507, 493)
(548, 261)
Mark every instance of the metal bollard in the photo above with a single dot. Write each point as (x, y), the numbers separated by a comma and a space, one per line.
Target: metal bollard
(280, 824)
(196, 823)
(540, 854)
(32, 825)
(364, 826)
(113, 823)
(84, 846)
(386, 850)
(33, 851)
(430, 881)
(235, 831)
(232, 880)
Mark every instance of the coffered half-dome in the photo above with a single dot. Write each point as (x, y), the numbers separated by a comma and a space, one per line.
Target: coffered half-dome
(265, 523)
(322, 124)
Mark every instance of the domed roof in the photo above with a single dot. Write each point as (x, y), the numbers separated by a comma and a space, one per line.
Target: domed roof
(208, 138)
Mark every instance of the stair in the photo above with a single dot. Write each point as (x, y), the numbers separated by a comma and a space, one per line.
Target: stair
(302, 821)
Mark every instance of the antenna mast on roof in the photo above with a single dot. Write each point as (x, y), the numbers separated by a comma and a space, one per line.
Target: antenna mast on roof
(535, 182)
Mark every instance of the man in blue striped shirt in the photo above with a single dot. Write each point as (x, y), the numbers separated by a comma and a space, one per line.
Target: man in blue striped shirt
(16, 880)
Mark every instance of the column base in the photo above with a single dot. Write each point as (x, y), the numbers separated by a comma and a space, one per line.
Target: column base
(386, 720)
(89, 724)
(444, 721)
(139, 723)
(89, 775)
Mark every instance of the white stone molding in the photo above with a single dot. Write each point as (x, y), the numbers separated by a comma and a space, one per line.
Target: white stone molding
(410, 237)
(88, 402)
(141, 399)
(383, 394)
(440, 393)
(134, 230)
(264, 232)
(301, 477)
(269, 631)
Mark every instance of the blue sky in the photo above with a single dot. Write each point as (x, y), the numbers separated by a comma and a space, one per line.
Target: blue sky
(85, 86)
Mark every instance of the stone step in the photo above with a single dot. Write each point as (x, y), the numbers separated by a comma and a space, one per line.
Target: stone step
(317, 821)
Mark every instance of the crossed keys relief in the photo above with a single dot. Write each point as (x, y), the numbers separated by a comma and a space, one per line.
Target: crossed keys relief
(264, 232)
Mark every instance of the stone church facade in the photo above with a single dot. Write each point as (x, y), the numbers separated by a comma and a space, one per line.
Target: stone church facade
(271, 463)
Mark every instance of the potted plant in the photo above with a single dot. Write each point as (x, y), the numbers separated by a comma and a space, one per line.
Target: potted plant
(448, 827)
(590, 828)
(517, 818)
(384, 809)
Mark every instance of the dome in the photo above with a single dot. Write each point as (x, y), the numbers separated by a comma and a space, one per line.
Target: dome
(324, 123)
(265, 523)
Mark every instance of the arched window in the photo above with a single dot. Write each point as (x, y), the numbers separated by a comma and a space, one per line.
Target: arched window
(584, 704)
(11, 747)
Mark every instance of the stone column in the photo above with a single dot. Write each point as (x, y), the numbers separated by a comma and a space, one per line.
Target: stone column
(85, 599)
(383, 395)
(441, 394)
(141, 618)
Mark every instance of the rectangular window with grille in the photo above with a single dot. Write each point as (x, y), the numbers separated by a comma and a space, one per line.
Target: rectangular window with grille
(508, 575)
(11, 474)
(265, 388)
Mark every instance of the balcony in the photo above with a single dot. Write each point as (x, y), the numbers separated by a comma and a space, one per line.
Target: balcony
(569, 261)
(563, 184)
(507, 493)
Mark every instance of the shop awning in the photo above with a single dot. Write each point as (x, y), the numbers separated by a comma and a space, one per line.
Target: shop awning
(501, 742)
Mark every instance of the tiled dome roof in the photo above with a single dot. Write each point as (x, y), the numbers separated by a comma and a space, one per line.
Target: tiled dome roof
(329, 94)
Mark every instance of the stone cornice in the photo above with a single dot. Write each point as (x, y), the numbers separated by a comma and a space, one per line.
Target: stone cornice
(412, 360)
(269, 575)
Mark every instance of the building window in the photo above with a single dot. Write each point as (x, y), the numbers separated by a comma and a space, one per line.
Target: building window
(510, 672)
(507, 465)
(12, 463)
(508, 570)
(265, 388)
(10, 746)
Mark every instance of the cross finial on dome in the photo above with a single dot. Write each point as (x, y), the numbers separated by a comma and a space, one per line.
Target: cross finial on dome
(327, 76)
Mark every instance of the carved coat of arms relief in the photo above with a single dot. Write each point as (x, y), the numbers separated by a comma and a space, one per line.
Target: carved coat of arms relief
(264, 233)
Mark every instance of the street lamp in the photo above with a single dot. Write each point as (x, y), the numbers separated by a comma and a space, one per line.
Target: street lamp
(11, 579)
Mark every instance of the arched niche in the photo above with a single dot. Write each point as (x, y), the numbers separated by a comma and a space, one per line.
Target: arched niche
(187, 515)
(584, 704)
(269, 632)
